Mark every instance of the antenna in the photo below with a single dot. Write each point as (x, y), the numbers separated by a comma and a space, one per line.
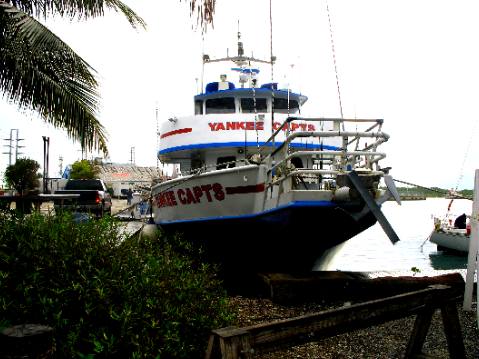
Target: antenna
(60, 166)
(240, 44)
(203, 61)
(132, 155)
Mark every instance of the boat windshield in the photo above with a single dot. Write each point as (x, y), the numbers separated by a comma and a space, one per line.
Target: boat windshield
(250, 105)
(281, 105)
(220, 105)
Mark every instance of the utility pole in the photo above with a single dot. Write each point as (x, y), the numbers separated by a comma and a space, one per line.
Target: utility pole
(46, 155)
(17, 146)
(13, 146)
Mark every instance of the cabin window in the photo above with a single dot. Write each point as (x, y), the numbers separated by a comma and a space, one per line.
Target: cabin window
(198, 107)
(281, 105)
(248, 105)
(220, 105)
(225, 162)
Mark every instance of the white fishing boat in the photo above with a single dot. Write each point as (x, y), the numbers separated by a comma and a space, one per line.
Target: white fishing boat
(261, 186)
(449, 238)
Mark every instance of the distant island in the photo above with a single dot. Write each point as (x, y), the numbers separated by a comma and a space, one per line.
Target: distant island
(416, 193)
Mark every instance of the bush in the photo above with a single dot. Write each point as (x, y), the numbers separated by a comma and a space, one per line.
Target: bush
(107, 296)
(22, 175)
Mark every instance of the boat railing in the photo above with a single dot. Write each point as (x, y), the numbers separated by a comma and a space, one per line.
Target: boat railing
(354, 152)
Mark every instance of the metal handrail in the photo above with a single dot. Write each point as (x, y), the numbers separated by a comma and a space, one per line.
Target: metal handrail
(379, 156)
(383, 137)
(336, 160)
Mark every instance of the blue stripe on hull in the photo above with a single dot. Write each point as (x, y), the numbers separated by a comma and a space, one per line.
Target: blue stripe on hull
(295, 204)
(201, 146)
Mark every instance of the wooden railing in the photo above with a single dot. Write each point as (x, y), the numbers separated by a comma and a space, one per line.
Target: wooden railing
(236, 343)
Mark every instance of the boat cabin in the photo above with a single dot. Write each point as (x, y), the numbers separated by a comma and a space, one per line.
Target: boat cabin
(224, 98)
(228, 125)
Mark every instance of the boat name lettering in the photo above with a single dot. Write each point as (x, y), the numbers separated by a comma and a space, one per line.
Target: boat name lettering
(236, 125)
(296, 127)
(250, 126)
(193, 195)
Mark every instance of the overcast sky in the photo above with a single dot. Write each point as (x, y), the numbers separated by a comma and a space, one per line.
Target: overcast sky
(413, 63)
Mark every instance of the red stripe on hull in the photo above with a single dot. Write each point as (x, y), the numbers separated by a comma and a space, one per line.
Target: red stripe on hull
(177, 132)
(245, 189)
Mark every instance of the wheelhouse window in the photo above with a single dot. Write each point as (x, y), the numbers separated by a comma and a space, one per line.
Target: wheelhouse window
(281, 105)
(248, 105)
(220, 105)
(198, 107)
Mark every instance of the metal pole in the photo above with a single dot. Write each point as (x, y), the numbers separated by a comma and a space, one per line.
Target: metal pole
(17, 146)
(473, 247)
(11, 147)
(48, 163)
(46, 150)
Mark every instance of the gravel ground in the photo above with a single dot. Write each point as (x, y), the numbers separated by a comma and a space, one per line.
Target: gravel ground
(388, 340)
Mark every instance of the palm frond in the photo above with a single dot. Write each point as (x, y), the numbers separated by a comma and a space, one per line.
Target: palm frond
(80, 9)
(131, 16)
(39, 71)
(204, 11)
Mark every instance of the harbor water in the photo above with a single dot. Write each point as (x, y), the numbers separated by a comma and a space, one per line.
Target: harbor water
(373, 252)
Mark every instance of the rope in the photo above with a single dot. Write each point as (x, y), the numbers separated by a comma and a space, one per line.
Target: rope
(271, 58)
(461, 172)
(334, 60)
(255, 118)
(271, 38)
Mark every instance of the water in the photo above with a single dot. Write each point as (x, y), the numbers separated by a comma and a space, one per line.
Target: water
(372, 251)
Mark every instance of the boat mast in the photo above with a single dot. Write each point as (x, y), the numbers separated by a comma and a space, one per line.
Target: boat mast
(240, 60)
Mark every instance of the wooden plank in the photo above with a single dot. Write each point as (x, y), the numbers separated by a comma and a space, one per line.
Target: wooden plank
(452, 329)
(289, 288)
(338, 321)
(419, 332)
(211, 353)
(235, 343)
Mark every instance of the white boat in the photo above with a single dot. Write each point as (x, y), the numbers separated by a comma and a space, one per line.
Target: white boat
(261, 186)
(448, 238)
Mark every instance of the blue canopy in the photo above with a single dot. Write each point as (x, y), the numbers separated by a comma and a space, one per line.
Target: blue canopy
(245, 71)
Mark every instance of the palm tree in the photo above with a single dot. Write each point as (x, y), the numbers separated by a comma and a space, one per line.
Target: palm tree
(39, 72)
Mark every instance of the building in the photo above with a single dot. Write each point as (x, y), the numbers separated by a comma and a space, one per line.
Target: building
(120, 177)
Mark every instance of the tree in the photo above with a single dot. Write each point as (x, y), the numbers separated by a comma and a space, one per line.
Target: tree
(39, 72)
(23, 175)
(83, 169)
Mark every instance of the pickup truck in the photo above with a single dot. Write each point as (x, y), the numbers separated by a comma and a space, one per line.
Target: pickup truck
(94, 197)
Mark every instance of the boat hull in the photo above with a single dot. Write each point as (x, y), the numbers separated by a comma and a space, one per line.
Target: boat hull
(288, 238)
(454, 240)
